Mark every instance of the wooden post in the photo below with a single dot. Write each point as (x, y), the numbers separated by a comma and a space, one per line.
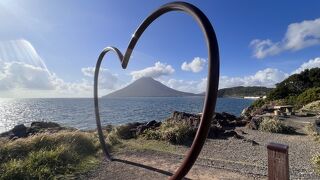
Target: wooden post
(278, 162)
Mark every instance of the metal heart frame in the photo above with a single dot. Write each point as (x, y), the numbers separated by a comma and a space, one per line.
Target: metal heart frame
(212, 80)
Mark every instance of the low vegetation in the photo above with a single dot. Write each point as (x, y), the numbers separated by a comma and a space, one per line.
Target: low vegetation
(296, 84)
(175, 133)
(241, 91)
(274, 125)
(297, 90)
(172, 132)
(48, 155)
(312, 107)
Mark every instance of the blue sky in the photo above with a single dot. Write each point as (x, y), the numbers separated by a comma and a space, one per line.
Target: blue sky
(48, 48)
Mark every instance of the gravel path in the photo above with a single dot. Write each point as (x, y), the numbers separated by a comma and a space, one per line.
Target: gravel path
(152, 165)
(248, 158)
(230, 158)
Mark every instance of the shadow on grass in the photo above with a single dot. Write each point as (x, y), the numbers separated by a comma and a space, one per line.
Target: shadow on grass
(145, 167)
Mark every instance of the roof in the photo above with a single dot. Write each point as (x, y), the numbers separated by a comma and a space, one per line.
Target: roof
(285, 106)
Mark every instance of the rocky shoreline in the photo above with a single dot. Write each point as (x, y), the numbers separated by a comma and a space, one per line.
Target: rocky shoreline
(223, 125)
(22, 131)
(232, 143)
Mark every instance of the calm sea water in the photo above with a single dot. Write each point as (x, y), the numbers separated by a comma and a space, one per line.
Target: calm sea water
(79, 113)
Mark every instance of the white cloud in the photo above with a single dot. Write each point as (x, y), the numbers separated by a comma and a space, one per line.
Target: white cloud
(196, 65)
(198, 86)
(24, 76)
(89, 71)
(159, 69)
(29, 77)
(298, 36)
(107, 80)
(312, 63)
(267, 77)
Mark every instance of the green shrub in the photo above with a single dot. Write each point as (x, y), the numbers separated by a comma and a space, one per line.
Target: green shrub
(258, 103)
(173, 132)
(292, 100)
(46, 156)
(313, 106)
(113, 138)
(274, 125)
(151, 134)
(177, 133)
(308, 96)
(41, 164)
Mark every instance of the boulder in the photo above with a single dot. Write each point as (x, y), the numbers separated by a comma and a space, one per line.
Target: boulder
(19, 131)
(41, 126)
(140, 129)
(228, 116)
(191, 119)
(151, 123)
(44, 125)
(215, 131)
(254, 123)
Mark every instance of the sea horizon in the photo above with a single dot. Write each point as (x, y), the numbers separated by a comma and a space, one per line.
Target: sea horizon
(79, 112)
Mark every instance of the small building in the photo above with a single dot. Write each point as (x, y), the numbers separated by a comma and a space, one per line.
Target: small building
(283, 110)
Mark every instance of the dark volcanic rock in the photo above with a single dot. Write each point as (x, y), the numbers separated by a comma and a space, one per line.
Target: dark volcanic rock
(254, 123)
(221, 122)
(190, 119)
(215, 132)
(138, 128)
(19, 131)
(36, 127)
(44, 125)
(151, 123)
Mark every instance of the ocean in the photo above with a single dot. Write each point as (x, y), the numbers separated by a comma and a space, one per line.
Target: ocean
(79, 112)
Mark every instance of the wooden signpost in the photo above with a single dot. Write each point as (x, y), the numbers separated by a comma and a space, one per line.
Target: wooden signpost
(278, 162)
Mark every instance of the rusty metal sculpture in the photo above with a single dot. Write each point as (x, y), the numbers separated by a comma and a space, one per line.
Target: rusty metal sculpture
(212, 82)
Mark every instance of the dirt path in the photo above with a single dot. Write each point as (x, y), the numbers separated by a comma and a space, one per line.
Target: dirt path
(155, 165)
(229, 158)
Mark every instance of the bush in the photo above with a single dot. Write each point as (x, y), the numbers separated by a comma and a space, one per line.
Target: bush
(258, 103)
(316, 162)
(173, 132)
(151, 134)
(113, 138)
(177, 133)
(47, 156)
(308, 96)
(274, 125)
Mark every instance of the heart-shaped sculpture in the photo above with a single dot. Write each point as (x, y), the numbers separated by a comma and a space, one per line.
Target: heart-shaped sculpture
(212, 80)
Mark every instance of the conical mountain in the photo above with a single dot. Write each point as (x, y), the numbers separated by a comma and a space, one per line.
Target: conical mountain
(148, 87)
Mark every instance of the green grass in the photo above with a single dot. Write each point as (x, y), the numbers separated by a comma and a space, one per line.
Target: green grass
(179, 133)
(173, 132)
(48, 155)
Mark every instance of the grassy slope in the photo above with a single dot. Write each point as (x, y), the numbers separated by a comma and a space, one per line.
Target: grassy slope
(48, 155)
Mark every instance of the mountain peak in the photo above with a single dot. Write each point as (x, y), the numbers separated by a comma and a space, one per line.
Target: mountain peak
(146, 79)
(148, 87)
